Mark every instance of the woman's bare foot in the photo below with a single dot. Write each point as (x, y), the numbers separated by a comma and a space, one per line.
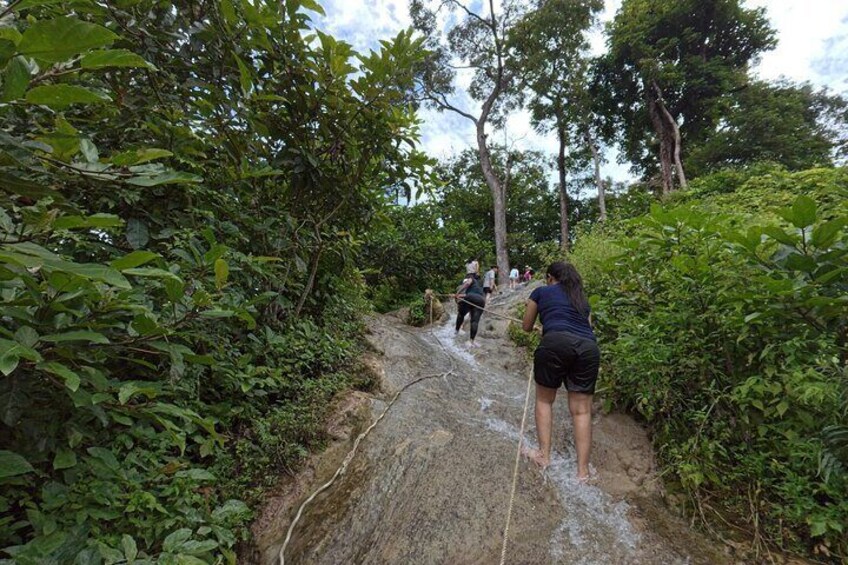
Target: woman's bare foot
(537, 457)
(585, 478)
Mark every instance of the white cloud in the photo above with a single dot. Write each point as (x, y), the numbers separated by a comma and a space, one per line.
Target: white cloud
(813, 46)
(812, 41)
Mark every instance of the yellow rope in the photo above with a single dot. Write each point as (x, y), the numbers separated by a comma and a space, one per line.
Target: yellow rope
(515, 468)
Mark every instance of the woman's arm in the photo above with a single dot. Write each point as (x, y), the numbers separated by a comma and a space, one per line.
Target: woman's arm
(460, 292)
(530, 316)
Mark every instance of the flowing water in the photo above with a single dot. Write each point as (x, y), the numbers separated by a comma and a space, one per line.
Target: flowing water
(431, 483)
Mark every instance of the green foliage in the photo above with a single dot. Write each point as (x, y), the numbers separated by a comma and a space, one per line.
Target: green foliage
(695, 53)
(184, 188)
(780, 122)
(532, 205)
(418, 315)
(724, 327)
(415, 250)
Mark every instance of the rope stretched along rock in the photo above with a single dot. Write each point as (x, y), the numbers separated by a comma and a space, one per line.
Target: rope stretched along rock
(349, 457)
(515, 469)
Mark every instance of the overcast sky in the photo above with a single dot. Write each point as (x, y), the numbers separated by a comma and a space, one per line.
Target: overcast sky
(812, 36)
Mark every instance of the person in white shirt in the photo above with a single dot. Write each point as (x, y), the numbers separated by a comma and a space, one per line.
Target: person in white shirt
(490, 284)
(472, 267)
(513, 278)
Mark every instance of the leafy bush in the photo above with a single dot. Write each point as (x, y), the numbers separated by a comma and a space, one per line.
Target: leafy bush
(178, 236)
(417, 315)
(412, 251)
(728, 335)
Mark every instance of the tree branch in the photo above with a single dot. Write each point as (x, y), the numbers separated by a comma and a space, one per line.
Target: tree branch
(470, 14)
(441, 100)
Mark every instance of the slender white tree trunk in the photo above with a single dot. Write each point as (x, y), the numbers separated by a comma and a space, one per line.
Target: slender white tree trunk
(499, 200)
(599, 183)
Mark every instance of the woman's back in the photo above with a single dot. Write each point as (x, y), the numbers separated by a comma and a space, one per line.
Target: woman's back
(557, 314)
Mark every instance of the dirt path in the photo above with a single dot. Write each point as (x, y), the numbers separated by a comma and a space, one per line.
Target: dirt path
(431, 483)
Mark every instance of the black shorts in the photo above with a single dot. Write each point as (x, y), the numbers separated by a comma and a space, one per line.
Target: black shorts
(565, 358)
(487, 290)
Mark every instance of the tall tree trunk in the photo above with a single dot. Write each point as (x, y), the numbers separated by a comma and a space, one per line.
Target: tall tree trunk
(599, 183)
(310, 282)
(499, 200)
(563, 192)
(675, 129)
(666, 145)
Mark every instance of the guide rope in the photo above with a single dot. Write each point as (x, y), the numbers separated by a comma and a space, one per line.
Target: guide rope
(349, 457)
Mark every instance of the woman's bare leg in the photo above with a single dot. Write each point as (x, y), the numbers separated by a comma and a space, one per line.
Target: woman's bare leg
(580, 406)
(544, 425)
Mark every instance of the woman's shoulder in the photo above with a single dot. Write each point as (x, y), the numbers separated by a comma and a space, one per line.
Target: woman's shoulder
(540, 292)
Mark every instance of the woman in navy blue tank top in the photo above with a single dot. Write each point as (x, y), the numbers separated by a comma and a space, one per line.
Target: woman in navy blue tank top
(567, 355)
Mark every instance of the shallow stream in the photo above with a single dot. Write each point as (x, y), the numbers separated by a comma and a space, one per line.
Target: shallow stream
(431, 484)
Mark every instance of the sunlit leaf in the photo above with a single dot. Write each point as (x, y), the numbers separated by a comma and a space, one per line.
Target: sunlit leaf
(113, 58)
(60, 96)
(61, 38)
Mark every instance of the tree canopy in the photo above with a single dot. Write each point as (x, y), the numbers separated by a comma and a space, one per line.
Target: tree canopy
(183, 190)
(790, 124)
(680, 58)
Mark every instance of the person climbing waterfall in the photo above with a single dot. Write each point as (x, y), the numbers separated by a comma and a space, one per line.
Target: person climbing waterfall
(490, 282)
(513, 278)
(567, 355)
(470, 300)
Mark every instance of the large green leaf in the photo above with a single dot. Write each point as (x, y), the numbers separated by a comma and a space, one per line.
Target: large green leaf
(24, 4)
(61, 38)
(65, 459)
(16, 77)
(137, 233)
(12, 464)
(175, 539)
(7, 50)
(132, 260)
(64, 140)
(222, 272)
(8, 361)
(825, 234)
(72, 380)
(780, 235)
(93, 221)
(91, 271)
(130, 548)
(130, 389)
(167, 177)
(151, 272)
(77, 335)
(113, 58)
(12, 352)
(245, 76)
(25, 187)
(803, 212)
(139, 156)
(229, 13)
(60, 96)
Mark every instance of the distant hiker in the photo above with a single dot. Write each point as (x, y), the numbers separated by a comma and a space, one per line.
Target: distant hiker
(528, 273)
(469, 298)
(490, 284)
(513, 278)
(568, 354)
(472, 267)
